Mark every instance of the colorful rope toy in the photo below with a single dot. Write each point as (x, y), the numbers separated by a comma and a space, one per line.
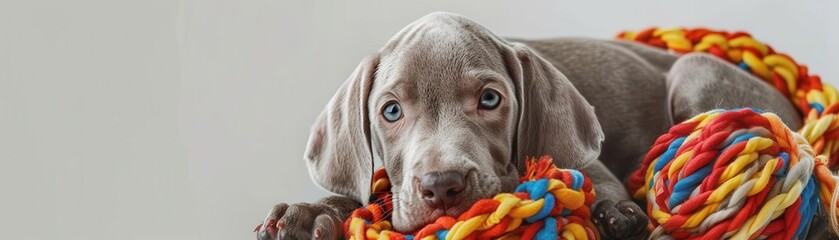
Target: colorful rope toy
(550, 203)
(818, 102)
(738, 174)
(742, 173)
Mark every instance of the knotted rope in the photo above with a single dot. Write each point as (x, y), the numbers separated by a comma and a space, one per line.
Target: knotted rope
(742, 173)
(550, 203)
(817, 102)
(738, 174)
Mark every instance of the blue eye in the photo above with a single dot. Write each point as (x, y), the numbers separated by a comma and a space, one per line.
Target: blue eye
(490, 100)
(392, 112)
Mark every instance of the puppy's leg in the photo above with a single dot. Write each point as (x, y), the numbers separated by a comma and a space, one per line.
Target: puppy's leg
(323, 219)
(614, 214)
(820, 228)
(700, 82)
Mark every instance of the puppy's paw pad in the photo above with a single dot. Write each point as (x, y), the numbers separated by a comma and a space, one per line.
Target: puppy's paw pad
(621, 220)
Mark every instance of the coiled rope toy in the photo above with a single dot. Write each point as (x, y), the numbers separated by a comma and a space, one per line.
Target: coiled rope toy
(738, 174)
(550, 203)
(817, 102)
(742, 173)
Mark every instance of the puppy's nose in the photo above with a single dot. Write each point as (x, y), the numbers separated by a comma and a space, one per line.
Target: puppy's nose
(442, 189)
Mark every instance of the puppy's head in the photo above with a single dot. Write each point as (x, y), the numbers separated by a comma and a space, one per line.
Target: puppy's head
(451, 110)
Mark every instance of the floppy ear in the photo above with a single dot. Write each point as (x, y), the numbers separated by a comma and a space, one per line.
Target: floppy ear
(339, 154)
(554, 118)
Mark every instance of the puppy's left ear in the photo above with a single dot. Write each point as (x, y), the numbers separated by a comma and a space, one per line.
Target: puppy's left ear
(339, 152)
(554, 118)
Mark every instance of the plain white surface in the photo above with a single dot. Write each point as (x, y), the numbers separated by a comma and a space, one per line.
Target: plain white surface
(188, 119)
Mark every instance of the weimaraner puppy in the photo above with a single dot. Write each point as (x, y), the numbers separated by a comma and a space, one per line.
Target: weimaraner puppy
(451, 110)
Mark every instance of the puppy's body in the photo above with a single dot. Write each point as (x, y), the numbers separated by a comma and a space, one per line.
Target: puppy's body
(436, 67)
(638, 92)
(628, 92)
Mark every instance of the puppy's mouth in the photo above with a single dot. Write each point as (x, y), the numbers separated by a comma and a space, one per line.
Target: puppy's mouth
(477, 190)
(429, 215)
(453, 211)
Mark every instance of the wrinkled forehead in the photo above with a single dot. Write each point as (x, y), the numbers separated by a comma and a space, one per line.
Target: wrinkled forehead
(441, 52)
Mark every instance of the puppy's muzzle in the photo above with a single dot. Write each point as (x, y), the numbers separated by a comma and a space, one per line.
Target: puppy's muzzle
(442, 190)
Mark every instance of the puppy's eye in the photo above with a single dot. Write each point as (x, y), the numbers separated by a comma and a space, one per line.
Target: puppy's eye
(490, 99)
(392, 112)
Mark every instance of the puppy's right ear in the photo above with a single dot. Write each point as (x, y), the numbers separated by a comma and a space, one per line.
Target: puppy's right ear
(339, 154)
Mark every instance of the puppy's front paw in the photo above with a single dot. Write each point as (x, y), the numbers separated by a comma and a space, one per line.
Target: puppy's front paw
(300, 221)
(622, 220)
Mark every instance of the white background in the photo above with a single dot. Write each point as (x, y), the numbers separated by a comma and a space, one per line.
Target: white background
(165, 119)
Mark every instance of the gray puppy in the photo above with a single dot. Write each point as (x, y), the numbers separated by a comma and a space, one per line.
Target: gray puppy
(452, 110)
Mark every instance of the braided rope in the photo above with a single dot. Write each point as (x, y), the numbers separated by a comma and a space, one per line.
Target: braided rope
(694, 189)
(738, 174)
(817, 102)
(550, 203)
